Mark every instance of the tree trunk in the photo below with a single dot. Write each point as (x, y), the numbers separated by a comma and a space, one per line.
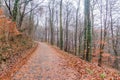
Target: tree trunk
(15, 10)
(61, 29)
(87, 32)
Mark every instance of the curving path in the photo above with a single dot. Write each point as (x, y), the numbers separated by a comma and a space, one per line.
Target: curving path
(46, 64)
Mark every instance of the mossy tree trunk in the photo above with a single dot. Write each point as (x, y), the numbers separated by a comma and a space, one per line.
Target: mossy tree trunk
(87, 32)
(15, 10)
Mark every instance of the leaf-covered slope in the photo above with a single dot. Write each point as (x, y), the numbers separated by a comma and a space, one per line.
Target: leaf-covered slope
(89, 71)
(7, 26)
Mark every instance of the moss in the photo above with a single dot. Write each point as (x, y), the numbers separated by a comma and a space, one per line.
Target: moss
(103, 75)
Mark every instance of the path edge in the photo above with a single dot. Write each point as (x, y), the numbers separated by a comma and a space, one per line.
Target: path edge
(19, 63)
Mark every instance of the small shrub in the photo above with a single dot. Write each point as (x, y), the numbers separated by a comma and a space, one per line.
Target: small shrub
(24, 42)
(103, 75)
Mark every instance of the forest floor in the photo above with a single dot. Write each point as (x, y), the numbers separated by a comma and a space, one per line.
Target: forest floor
(12, 53)
(50, 63)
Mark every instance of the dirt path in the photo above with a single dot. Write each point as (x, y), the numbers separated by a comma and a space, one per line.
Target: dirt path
(46, 64)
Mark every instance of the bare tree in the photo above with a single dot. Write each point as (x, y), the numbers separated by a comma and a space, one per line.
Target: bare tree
(76, 28)
(68, 12)
(51, 19)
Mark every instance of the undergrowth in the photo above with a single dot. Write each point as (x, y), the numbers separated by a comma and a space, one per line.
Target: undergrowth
(14, 46)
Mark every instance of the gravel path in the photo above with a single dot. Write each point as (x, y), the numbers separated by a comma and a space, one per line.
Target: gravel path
(46, 64)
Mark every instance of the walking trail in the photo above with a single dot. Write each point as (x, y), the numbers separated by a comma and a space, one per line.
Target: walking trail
(46, 64)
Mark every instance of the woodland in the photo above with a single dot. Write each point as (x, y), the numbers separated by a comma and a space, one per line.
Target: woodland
(80, 35)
